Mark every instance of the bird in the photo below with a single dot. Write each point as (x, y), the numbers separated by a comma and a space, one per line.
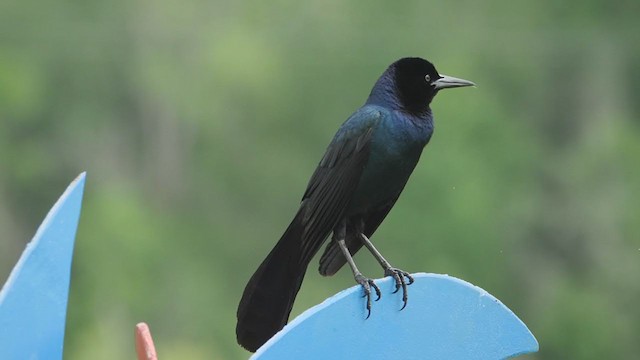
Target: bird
(356, 183)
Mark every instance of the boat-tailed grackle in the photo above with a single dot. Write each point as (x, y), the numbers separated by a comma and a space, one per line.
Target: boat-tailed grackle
(356, 183)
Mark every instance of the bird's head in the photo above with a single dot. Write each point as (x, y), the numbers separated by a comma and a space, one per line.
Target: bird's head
(416, 82)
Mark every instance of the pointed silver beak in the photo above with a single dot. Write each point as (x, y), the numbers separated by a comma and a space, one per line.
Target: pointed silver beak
(450, 82)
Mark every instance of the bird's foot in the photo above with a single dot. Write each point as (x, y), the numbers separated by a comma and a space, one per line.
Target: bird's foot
(399, 276)
(367, 284)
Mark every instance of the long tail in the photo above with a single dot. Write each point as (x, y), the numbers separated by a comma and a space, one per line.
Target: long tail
(268, 298)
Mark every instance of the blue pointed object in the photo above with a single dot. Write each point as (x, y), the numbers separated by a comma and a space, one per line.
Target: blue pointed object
(446, 318)
(33, 301)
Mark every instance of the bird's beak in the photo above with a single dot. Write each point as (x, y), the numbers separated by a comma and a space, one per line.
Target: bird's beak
(450, 82)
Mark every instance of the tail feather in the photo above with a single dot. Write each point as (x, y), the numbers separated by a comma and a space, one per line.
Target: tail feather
(268, 298)
(333, 259)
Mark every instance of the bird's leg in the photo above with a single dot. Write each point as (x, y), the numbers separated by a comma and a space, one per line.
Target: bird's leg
(397, 274)
(339, 235)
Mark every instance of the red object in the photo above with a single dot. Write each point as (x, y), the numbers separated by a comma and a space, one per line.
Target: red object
(144, 343)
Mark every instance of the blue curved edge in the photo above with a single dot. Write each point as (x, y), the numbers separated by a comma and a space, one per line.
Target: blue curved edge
(446, 318)
(33, 301)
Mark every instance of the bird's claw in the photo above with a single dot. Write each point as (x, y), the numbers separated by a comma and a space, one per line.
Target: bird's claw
(399, 277)
(367, 284)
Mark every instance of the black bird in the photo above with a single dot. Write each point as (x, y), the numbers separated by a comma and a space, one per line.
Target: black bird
(357, 182)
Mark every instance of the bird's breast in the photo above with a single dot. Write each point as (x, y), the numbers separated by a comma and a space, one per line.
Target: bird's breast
(396, 146)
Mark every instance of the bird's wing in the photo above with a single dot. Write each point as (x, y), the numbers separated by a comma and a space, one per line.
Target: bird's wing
(332, 259)
(332, 184)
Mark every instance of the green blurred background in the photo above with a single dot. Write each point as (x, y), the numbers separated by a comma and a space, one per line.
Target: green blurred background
(199, 123)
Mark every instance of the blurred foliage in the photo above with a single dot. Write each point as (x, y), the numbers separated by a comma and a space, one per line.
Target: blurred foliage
(199, 123)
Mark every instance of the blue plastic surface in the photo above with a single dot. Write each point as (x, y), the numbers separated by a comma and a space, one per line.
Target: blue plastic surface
(446, 318)
(33, 302)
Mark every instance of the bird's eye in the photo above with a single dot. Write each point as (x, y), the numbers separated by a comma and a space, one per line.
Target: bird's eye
(427, 77)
